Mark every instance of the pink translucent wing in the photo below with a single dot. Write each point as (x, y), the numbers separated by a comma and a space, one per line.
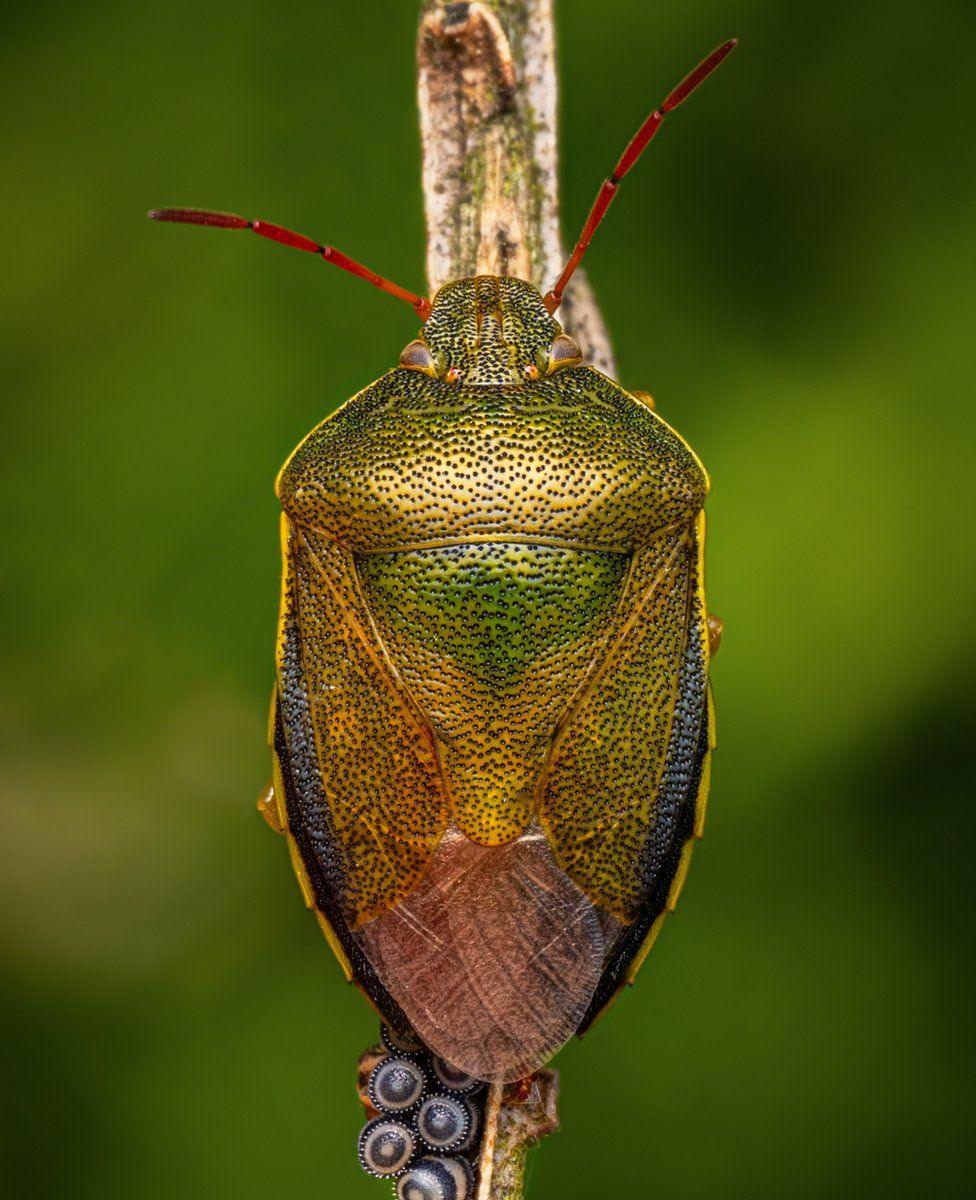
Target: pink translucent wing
(494, 958)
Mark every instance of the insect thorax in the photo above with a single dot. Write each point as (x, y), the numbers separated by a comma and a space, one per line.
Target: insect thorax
(489, 529)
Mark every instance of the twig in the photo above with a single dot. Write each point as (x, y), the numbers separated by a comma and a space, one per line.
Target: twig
(512, 1124)
(487, 93)
(486, 1163)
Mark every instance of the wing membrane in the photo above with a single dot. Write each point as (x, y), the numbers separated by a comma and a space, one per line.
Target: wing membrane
(495, 958)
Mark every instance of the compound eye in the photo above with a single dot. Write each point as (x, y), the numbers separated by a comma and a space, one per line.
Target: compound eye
(564, 352)
(416, 356)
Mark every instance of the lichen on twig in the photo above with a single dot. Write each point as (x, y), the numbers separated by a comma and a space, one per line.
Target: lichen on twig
(487, 93)
(513, 1124)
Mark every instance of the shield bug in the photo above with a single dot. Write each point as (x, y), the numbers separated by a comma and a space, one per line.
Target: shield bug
(492, 724)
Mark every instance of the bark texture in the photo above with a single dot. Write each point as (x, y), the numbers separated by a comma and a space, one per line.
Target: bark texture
(487, 93)
(513, 1123)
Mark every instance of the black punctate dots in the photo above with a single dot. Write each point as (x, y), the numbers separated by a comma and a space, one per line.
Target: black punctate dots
(445, 1122)
(396, 1085)
(437, 1179)
(386, 1147)
(454, 1079)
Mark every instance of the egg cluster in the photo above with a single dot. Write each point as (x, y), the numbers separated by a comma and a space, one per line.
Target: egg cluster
(426, 1135)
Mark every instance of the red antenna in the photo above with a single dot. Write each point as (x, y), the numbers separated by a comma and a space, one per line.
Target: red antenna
(635, 148)
(298, 241)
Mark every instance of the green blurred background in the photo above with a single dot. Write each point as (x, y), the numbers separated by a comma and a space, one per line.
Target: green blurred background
(791, 273)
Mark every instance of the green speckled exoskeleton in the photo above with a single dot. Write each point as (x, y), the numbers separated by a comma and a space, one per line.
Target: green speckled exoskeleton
(492, 724)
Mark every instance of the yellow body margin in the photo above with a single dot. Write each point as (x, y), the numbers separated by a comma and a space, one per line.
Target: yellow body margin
(701, 796)
(278, 783)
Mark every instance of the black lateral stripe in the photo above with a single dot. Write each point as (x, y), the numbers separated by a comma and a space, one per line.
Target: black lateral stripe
(614, 973)
(362, 970)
